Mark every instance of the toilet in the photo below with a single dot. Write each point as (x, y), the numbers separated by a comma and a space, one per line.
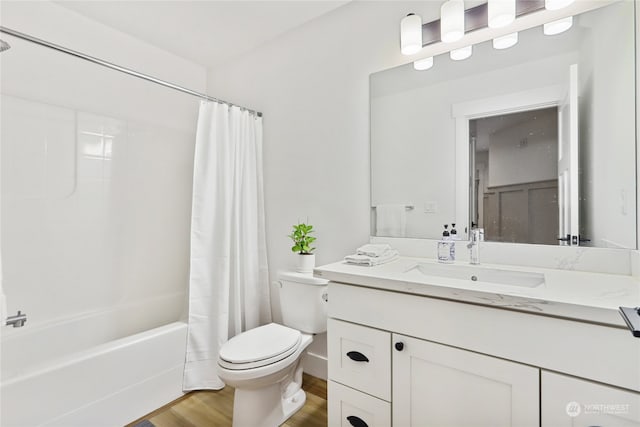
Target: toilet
(264, 364)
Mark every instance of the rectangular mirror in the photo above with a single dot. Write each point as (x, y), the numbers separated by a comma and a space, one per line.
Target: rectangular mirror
(535, 143)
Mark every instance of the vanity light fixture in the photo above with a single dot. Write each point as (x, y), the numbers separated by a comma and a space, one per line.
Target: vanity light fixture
(452, 21)
(556, 4)
(462, 53)
(501, 13)
(410, 34)
(423, 64)
(505, 42)
(557, 27)
(455, 22)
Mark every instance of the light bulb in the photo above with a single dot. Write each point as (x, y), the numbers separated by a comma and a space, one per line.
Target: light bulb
(452, 21)
(501, 13)
(505, 42)
(423, 64)
(462, 53)
(559, 26)
(410, 34)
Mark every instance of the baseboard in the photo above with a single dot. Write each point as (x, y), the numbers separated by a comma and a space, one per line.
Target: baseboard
(315, 365)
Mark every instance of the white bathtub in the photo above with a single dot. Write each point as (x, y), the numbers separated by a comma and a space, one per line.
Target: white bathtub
(114, 370)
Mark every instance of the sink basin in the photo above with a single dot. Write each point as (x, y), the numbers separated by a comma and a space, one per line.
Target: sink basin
(480, 274)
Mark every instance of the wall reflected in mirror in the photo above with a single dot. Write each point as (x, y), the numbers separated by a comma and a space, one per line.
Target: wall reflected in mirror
(422, 124)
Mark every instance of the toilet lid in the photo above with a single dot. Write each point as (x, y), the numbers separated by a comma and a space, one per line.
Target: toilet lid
(262, 343)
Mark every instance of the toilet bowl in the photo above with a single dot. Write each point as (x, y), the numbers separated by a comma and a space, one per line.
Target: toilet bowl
(264, 364)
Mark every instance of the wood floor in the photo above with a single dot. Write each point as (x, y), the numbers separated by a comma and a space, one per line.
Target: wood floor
(214, 409)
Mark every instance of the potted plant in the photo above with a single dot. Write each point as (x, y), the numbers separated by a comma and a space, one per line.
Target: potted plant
(302, 246)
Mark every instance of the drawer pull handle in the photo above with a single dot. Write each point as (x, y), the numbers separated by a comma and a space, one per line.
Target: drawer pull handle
(358, 357)
(356, 422)
(399, 346)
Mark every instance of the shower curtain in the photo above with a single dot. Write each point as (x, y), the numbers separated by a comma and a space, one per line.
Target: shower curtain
(228, 284)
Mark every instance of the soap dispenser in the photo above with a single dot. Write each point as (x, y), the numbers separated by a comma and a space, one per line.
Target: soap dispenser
(454, 232)
(446, 247)
(454, 237)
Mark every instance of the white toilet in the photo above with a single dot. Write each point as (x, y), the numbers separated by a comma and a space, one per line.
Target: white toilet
(264, 363)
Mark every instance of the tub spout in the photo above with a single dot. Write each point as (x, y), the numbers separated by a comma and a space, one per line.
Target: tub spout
(18, 320)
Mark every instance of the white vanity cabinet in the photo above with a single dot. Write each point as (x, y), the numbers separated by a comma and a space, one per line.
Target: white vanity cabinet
(433, 384)
(403, 360)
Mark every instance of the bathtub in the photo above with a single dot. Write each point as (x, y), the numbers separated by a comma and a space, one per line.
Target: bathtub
(99, 369)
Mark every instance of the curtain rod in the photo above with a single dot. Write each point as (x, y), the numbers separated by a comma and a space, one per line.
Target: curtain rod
(112, 66)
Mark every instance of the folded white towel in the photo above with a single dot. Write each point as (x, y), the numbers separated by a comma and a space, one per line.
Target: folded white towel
(388, 256)
(391, 220)
(372, 249)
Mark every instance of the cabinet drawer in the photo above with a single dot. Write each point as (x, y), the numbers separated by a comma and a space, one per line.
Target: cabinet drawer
(350, 408)
(360, 357)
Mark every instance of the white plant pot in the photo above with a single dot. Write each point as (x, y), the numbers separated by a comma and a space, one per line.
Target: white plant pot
(306, 263)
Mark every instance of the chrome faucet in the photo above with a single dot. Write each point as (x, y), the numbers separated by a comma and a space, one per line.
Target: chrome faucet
(17, 321)
(477, 236)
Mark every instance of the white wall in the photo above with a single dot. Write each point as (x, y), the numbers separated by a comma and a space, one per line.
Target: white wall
(96, 168)
(313, 87)
(511, 162)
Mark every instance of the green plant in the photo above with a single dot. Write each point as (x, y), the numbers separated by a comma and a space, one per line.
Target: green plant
(302, 239)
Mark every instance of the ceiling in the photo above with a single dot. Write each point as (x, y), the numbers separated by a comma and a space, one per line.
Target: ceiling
(208, 32)
(487, 126)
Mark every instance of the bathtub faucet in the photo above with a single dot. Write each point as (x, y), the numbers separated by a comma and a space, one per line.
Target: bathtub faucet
(18, 320)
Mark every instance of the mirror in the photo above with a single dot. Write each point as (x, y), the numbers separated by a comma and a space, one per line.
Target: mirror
(533, 143)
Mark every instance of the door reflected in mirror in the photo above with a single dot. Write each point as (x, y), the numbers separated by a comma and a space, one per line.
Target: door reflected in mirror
(514, 165)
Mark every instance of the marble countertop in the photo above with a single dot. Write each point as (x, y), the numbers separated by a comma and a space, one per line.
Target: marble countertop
(584, 296)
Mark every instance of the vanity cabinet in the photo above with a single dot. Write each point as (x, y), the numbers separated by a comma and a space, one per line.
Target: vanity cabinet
(431, 384)
(402, 360)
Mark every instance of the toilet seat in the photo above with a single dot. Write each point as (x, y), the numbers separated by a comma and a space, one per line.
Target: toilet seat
(259, 347)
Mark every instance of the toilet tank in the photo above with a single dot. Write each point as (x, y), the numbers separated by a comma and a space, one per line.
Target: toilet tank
(303, 301)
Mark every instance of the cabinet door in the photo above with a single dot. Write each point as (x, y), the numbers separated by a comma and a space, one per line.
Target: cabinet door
(437, 385)
(573, 402)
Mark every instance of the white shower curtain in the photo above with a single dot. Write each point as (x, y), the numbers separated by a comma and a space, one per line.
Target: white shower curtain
(228, 285)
